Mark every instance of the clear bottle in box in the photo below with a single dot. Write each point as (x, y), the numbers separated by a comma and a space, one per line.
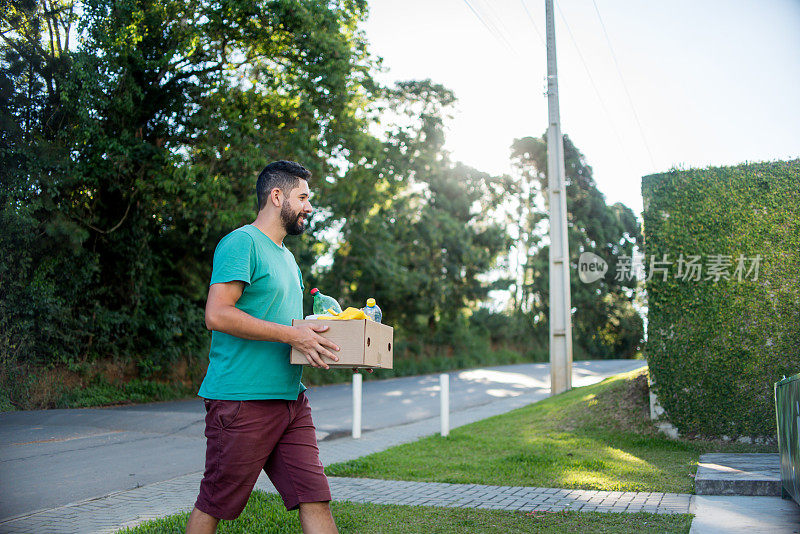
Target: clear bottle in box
(373, 311)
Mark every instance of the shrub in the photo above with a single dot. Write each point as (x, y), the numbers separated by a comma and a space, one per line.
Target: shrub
(716, 346)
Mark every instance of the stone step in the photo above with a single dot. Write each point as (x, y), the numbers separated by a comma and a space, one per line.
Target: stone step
(738, 474)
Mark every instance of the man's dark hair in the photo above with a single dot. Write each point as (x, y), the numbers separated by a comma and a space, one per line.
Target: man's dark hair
(285, 175)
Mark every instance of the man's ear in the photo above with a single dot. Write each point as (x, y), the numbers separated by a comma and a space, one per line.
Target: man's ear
(276, 197)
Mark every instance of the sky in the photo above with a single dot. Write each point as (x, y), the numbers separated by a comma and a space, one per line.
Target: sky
(686, 83)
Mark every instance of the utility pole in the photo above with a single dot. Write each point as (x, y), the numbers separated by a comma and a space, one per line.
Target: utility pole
(560, 301)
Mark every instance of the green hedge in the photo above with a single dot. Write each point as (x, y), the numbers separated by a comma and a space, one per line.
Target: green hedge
(715, 348)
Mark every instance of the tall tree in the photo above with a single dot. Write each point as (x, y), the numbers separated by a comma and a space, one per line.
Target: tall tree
(605, 322)
(128, 155)
(39, 252)
(422, 243)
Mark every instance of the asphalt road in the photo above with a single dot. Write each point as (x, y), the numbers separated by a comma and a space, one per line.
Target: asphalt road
(50, 458)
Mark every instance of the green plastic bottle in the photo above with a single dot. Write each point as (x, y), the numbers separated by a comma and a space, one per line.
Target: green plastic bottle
(322, 303)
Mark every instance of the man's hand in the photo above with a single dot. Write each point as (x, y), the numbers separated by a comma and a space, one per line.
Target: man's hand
(313, 346)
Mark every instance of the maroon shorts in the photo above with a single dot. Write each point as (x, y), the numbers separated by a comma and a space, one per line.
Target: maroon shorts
(244, 437)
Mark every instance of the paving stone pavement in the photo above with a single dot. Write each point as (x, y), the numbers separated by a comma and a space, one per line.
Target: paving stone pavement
(127, 508)
(520, 498)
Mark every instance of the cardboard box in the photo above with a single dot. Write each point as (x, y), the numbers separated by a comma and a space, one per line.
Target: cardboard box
(362, 343)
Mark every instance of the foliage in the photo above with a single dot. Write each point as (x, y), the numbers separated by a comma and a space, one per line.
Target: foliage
(718, 344)
(130, 137)
(127, 157)
(605, 324)
(102, 393)
(266, 513)
(420, 243)
(596, 437)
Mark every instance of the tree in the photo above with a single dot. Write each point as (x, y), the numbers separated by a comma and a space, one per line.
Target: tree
(604, 321)
(38, 250)
(425, 234)
(127, 156)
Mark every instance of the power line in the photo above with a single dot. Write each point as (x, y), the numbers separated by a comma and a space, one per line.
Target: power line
(591, 79)
(496, 20)
(622, 79)
(492, 29)
(533, 22)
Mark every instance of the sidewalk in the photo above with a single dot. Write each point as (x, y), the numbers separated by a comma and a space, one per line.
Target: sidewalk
(744, 515)
(128, 508)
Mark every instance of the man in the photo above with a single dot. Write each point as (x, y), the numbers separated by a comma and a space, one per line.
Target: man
(257, 414)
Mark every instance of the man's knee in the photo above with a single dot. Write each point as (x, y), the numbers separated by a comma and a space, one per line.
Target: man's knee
(315, 506)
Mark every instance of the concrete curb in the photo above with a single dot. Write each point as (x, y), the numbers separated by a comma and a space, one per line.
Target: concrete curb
(749, 474)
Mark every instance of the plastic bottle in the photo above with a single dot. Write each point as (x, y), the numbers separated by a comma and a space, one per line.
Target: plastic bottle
(373, 311)
(322, 303)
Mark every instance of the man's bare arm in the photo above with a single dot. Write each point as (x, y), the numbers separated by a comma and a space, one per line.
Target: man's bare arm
(222, 315)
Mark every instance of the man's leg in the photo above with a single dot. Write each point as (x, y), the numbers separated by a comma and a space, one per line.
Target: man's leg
(316, 518)
(201, 523)
(297, 473)
(239, 438)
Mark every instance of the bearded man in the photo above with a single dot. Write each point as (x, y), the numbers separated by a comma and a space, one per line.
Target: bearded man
(257, 416)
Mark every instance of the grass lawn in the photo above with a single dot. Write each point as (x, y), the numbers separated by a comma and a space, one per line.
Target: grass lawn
(595, 437)
(266, 514)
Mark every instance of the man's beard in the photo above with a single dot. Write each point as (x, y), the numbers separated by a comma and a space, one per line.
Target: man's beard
(292, 222)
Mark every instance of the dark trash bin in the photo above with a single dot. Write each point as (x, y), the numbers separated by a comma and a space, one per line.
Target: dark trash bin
(787, 408)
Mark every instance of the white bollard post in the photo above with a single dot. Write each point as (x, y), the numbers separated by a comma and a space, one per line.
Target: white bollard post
(444, 381)
(357, 405)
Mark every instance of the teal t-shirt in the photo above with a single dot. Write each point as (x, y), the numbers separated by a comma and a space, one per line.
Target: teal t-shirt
(243, 369)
